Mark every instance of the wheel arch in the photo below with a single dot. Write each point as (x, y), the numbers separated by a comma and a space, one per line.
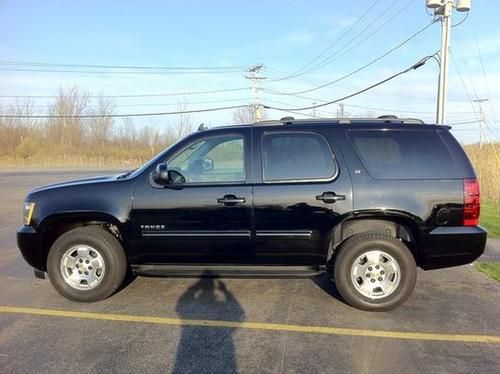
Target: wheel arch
(400, 226)
(54, 226)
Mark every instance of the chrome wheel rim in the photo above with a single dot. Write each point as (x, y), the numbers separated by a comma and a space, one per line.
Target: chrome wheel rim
(82, 267)
(375, 274)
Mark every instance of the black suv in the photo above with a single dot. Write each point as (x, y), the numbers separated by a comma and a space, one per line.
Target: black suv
(365, 200)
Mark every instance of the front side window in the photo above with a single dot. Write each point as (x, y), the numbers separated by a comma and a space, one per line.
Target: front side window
(215, 159)
(296, 157)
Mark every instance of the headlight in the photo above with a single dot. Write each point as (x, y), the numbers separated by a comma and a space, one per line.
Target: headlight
(29, 207)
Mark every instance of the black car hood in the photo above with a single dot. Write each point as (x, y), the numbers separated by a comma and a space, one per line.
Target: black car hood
(79, 182)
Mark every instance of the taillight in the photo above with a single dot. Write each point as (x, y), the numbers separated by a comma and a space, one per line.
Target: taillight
(472, 204)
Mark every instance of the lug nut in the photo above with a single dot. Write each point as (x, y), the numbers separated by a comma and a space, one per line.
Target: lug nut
(87, 261)
(377, 267)
(90, 267)
(77, 266)
(368, 275)
(379, 279)
(79, 271)
(373, 280)
(382, 272)
(81, 260)
(86, 273)
(370, 268)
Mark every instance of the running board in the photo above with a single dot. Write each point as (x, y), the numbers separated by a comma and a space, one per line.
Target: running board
(228, 271)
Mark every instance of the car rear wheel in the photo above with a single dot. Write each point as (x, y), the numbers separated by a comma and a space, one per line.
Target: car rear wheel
(86, 264)
(374, 272)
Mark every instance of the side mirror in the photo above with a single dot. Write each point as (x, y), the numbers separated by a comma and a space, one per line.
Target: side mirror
(160, 174)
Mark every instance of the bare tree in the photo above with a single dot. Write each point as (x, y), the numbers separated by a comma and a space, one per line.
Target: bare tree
(14, 131)
(183, 126)
(101, 127)
(245, 115)
(68, 129)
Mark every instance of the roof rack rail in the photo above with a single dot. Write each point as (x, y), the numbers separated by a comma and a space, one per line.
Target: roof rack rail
(342, 121)
(287, 119)
(387, 116)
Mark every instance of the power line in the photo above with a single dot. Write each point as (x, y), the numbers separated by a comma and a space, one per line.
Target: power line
(132, 95)
(415, 66)
(331, 58)
(130, 67)
(485, 79)
(122, 72)
(326, 59)
(125, 115)
(353, 25)
(336, 56)
(463, 122)
(155, 104)
(367, 64)
(398, 110)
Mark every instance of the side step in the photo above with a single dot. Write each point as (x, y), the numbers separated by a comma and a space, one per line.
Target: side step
(228, 271)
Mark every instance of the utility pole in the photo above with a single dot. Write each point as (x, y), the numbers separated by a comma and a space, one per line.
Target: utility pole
(340, 111)
(481, 119)
(256, 78)
(443, 9)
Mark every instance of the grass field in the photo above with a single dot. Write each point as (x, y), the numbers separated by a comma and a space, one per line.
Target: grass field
(491, 269)
(490, 217)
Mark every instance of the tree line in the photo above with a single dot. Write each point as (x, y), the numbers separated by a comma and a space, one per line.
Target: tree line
(77, 140)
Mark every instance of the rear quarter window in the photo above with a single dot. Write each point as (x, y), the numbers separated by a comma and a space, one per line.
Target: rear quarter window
(404, 154)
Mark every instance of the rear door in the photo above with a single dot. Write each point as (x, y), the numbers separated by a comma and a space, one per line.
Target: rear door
(301, 192)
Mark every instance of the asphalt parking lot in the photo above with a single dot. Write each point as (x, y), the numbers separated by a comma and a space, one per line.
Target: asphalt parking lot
(449, 325)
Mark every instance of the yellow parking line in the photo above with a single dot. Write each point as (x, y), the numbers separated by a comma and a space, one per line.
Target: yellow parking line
(254, 325)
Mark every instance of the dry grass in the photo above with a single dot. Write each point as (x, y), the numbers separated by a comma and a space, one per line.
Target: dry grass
(486, 161)
(70, 161)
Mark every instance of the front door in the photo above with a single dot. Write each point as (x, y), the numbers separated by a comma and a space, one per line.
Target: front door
(207, 218)
(301, 192)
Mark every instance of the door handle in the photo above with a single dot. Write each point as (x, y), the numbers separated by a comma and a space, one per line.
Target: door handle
(330, 197)
(231, 200)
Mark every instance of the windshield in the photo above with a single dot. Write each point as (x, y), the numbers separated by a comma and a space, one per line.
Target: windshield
(139, 170)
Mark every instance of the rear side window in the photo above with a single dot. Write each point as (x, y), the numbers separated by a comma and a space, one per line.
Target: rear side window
(297, 156)
(404, 154)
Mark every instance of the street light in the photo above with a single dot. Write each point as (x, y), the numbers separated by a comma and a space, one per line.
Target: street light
(442, 9)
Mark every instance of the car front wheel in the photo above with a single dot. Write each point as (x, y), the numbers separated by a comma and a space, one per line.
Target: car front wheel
(86, 264)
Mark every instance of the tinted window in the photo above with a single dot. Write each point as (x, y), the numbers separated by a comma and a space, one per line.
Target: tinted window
(212, 159)
(296, 156)
(404, 154)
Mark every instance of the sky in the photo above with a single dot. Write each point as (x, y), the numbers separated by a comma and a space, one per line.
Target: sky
(283, 36)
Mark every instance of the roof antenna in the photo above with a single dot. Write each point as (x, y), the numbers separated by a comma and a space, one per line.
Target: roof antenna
(202, 127)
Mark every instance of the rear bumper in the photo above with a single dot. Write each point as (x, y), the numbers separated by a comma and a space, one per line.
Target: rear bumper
(452, 246)
(28, 241)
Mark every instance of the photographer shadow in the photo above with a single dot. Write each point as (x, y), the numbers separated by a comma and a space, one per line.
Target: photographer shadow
(207, 349)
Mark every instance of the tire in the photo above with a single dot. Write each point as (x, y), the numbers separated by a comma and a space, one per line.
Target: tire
(374, 272)
(87, 250)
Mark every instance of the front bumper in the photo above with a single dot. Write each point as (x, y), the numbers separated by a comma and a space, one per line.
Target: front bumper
(453, 246)
(28, 241)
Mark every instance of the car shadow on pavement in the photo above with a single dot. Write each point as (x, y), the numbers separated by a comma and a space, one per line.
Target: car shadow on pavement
(326, 283)
(204, 349)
